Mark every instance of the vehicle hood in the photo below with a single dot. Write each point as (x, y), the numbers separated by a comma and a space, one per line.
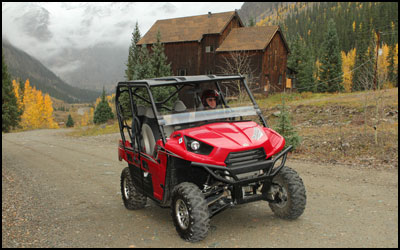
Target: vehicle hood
(229, 135)
(226, 137)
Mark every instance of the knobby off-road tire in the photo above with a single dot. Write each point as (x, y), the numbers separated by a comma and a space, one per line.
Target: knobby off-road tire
(291, 185)
(132, 198)
(189, 212)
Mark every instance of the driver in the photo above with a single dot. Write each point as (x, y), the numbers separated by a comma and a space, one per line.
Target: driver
(209, 98)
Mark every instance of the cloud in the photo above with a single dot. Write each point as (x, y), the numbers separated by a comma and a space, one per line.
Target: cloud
(44, 29)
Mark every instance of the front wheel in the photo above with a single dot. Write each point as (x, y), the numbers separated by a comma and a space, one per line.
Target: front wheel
(289, 194)
(189, 212)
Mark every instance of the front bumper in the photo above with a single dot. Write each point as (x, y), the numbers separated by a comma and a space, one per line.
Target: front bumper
(230, 175)
(233, 176)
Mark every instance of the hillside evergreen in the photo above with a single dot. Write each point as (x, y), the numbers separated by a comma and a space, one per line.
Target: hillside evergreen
(330, 72)
(70, 122)
(303, 63)
(356, 26)
(146, 64)
(103, 111)
(133, 53)
(285, 127)
(10, 113)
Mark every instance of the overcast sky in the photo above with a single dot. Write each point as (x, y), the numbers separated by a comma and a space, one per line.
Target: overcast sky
(86, 24)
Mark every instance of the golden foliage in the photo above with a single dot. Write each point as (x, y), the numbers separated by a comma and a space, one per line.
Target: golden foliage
(348, 61)
(17, 93)
(38, 109)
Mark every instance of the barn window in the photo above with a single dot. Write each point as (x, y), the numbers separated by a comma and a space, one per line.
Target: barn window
(209, 49)
(182, 72)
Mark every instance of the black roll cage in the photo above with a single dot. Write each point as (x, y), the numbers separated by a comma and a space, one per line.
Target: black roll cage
(170, 81)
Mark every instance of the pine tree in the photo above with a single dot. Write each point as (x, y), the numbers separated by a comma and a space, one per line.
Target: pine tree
(10, 113)
(364, 62)
(331, 74)
(252, 21)
(103, 111)
(302, 62)
(133, 53)
(285, 128)
(70, 122)
(159, 59)
(160, 68)
(143, 69)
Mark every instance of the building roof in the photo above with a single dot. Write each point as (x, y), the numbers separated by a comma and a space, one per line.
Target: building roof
(250, 38)
(190, 28)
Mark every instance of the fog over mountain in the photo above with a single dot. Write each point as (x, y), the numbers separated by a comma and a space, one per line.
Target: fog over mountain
(86, 44)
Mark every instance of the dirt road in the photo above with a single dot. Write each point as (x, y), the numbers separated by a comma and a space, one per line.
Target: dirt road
(59, 191)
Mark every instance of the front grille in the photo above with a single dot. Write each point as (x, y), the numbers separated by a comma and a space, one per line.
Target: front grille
(245, 157)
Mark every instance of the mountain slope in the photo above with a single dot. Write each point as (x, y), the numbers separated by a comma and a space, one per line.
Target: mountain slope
(23, 66)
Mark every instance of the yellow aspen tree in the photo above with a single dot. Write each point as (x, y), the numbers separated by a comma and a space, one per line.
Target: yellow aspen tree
(85, 119)
(48, 112)
(317, 66)
(29, 106)
(348, 61)
(17, 93)
(91, 115)
(39, 121)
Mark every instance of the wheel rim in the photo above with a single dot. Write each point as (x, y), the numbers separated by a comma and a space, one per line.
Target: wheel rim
(126, 189)
(182, 214)
(281, 196)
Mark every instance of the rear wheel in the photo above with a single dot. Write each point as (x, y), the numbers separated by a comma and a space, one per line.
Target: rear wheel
(289, 194)
(189, 212)
(132, 198)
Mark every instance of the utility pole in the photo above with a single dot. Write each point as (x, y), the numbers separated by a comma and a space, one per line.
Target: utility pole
(376, 58)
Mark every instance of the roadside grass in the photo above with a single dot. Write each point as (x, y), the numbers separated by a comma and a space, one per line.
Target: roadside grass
(354, 99)
(340, 127)
(93, 130)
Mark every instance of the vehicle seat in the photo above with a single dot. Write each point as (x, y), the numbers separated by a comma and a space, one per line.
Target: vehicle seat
(140, 112)
(179, 107)
(150, 132)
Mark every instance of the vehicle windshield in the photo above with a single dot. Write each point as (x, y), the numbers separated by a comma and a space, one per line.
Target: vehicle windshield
(207, 101)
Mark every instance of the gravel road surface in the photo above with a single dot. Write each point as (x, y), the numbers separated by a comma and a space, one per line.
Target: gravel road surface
(61, 191)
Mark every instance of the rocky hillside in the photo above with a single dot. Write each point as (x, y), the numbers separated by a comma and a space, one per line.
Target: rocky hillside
(23, 66)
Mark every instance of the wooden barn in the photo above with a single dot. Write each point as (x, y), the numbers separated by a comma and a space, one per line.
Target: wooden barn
(204, 44)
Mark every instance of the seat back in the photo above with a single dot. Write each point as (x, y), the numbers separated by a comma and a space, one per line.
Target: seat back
(179, 107)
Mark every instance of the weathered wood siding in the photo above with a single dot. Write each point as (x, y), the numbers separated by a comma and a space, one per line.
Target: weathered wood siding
(183, 55)
(208, 58)
(274, 65)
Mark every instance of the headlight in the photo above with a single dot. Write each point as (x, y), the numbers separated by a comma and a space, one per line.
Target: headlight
(195, 145)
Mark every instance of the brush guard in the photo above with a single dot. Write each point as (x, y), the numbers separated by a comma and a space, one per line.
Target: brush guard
(232, 177)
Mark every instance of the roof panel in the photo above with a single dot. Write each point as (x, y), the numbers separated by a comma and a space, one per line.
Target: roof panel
(187, 28)
(248, 38)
